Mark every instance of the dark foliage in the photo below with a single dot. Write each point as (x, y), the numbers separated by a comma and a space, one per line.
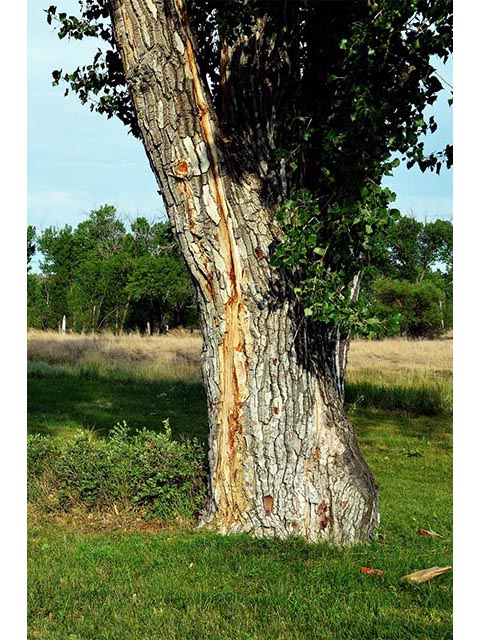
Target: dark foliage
(144, 472)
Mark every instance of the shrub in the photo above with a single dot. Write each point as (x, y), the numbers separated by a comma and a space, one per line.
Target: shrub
(41, 454)
(144, 471)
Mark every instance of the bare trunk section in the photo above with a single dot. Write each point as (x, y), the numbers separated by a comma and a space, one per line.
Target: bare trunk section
(283, 457)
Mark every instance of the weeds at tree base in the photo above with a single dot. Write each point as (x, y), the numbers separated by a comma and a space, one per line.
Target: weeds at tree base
(145, 473)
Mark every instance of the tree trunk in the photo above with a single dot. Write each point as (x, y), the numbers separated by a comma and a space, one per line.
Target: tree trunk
(283, 457)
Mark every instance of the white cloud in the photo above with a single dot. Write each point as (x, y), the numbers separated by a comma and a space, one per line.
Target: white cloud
(49, 198)
(55, 208)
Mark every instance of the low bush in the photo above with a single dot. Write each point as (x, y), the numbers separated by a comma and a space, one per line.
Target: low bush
(145, 471)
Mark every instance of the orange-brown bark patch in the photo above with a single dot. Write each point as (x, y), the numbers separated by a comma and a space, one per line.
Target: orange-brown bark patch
(268, 504)
(259, 253)
(182, 168)
(234, 427)
(191, 212)
(209, 285)
(322, 511)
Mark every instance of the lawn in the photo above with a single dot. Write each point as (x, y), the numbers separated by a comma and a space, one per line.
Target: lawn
(58, 405)
(105, 578)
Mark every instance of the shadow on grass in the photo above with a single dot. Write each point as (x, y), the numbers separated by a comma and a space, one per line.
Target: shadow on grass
(59, 405)
(379, 429)
(61, 401)
(422, 399)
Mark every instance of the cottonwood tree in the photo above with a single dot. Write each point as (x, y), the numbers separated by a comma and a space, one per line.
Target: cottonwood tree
(269, 126)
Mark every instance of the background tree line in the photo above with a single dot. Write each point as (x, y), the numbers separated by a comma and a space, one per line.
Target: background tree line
(102, 276)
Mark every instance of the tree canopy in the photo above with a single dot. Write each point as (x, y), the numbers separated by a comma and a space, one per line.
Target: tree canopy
(342, 93)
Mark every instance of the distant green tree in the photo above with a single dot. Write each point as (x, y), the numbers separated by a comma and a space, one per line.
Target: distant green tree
(31, 247)
(97, 298)
(416, 248)
(417, 306)
(37, 310)
(159, 287)
(60, 256)
(34, 316)
(413, 253)
(78, 281)
(154, 238)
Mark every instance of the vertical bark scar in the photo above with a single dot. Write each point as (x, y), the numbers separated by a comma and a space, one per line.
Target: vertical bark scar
(233, 368)
(129, 30)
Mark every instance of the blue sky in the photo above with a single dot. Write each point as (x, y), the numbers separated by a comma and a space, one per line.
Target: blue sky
(79, 160)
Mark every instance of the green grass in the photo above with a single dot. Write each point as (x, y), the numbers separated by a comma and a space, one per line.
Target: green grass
(61, 401)
(199, 586)
(192, 584)
(86, 584)
(414, 394)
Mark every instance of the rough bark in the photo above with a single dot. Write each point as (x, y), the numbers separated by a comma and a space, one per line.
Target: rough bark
(283, 457)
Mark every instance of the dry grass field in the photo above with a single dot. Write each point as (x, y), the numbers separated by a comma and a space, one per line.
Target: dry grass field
(397, 355)
(176, 354)
(410, 363)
